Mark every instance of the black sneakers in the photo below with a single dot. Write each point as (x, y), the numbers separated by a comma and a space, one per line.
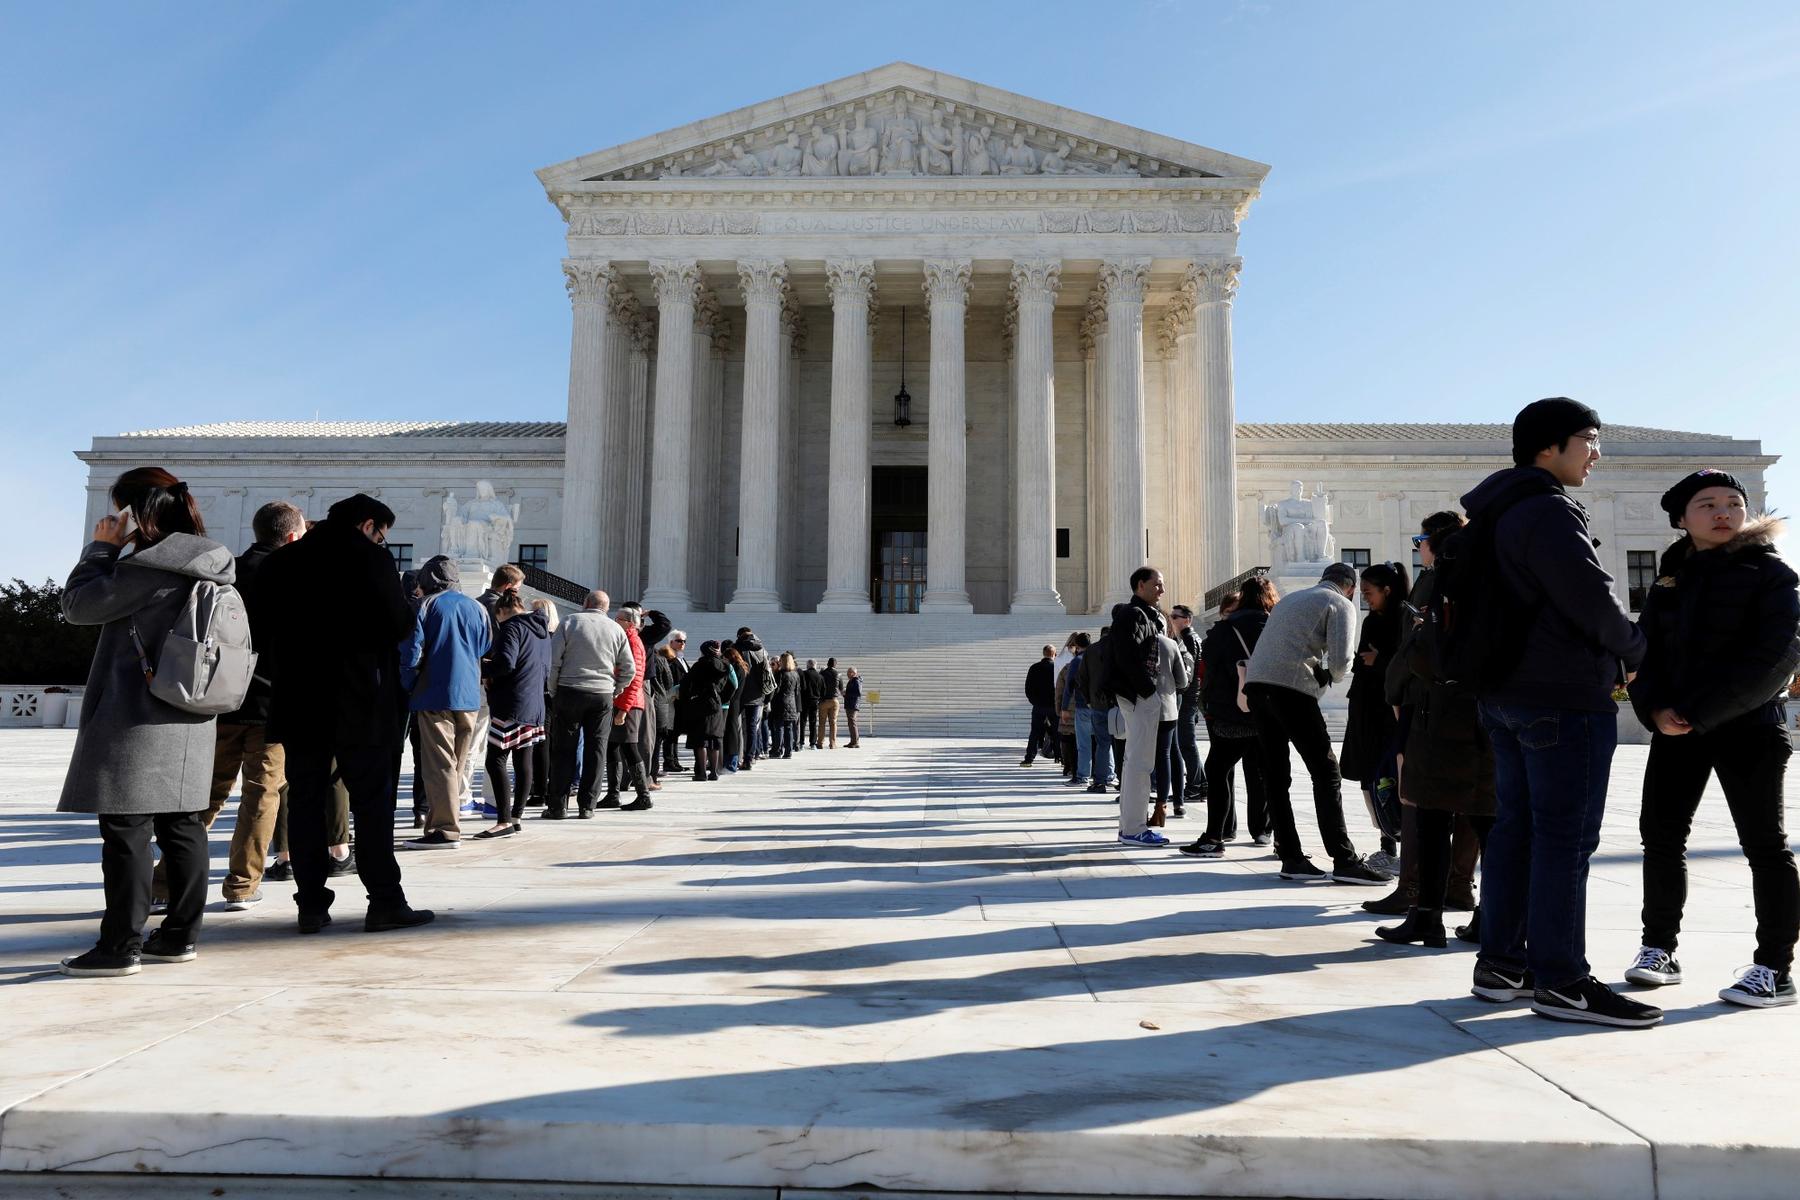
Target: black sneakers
(1501, 984)
(98, 964)
(158, 948)
(1653, 968)
(405, 917)
(1302, 870)
(341, 867)
(1761, 987)
(1204, 848)
(313, 922)
(641, 804)
(1357, 871)
(1592, 1002)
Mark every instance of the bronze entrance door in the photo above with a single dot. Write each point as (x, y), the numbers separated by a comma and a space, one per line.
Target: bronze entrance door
(897, 504)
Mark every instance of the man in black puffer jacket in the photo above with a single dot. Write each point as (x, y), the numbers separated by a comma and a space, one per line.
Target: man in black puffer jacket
(1131, 648)
(1723, 627)
(1552, 722)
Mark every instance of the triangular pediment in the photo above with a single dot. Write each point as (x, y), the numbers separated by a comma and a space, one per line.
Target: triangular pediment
(901, 121)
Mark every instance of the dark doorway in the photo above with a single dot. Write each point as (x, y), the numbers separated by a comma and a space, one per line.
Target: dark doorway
(898, 503)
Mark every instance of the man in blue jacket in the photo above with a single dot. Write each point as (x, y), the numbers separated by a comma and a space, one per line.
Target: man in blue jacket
(441, 669)
(1552, 721)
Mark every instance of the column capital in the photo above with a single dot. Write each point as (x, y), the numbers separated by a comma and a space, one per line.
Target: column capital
(677, 280)
(643, 333)
(1037, 278)
(947, 280)
(764, 280)
(1126, 279)
(852, 280)
(1217, 280)
(588, 280)
(793, 322)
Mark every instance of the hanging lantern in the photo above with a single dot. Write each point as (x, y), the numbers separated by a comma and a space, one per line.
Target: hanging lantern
(902, 398)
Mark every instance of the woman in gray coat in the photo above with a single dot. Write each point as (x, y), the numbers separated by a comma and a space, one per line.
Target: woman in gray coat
(141, 765)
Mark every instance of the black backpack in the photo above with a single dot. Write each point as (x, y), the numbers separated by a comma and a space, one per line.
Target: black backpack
(1476, 623)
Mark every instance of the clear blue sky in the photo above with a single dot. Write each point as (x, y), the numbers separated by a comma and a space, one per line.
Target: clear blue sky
(270, 210)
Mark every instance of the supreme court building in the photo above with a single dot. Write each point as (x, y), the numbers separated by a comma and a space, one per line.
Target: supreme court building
(900, 342)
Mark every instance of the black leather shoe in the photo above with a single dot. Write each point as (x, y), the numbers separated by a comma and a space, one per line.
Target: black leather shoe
(1396, 903)
(313, 922)
(552, 814)
(1422, 928)
(384, 919)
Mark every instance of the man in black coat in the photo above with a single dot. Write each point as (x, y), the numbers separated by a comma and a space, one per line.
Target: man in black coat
(812, 690)
(1552, 721)
(1040, 690)
(334, 618)
(1131, 649)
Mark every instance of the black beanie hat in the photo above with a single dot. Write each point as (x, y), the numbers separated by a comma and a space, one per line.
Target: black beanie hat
(1549, 422)
(1675, 500)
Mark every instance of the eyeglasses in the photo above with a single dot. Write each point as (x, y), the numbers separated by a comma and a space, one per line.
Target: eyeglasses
(1419, 539)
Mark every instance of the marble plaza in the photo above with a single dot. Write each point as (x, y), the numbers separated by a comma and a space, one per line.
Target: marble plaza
(914, 967)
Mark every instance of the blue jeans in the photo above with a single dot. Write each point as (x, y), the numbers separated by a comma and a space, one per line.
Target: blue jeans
(1550, 774)
(1186, 775)
(1082, 751)
(1093, 744)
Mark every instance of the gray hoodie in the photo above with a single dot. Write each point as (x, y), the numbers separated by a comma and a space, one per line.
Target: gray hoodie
(134, 753)
(590, 653)
(1316, 627)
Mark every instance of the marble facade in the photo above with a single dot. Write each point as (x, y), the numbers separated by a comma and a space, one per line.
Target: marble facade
(739, 289)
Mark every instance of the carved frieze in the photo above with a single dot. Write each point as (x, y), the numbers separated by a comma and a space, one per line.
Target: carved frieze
(589, 222)
(900, 134)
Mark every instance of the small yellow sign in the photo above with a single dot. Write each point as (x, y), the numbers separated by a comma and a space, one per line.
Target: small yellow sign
(875, 697)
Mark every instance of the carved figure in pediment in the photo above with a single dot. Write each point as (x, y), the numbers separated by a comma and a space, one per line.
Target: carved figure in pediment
(1020, 159)
(1118, 165)
(788, 157)
(937, 156)
(860, 154)
(821, 153)
(977, 159)
(900, 145)
(1056, 159)
(740, 162)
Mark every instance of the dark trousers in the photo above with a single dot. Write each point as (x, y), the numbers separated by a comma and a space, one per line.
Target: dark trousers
(368, 775)
(809, 725)
(668, 748)
(1434, 827)
(1161, 770)
(1285, 717)
(126, 866)
(420, 805)
(583, 716)
(1066, 743)
(625, 752)
(1043, 724)
(786, 734)
(1550, 773)
(509, 804)
(1190, 781)
(1222, 754)
(749, 744)
(1751, 762)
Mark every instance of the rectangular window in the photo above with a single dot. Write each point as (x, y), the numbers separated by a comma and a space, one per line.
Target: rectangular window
(1640, 575)
(534, 556)
(1062, 543)
(402, 552)
(1356, 558)
(1418, 562)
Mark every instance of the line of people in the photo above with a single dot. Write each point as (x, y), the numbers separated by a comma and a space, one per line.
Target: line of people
(352, 663)
(1482, 721)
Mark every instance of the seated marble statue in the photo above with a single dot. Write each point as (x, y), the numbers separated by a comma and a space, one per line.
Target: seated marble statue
(788, 157)
(1020, 158)
(937, 156)
(739, 162)
(976, 158)
(900, 145)
(861, 155)
(1299, 527)
(821, 153)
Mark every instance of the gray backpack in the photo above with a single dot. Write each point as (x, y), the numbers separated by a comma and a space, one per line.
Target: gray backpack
(205, 663)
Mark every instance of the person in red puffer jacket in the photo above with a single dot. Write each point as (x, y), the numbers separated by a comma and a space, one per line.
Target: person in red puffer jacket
(628, 722)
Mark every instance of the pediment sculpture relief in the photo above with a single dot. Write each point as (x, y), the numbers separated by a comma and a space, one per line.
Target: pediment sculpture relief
(900, 136)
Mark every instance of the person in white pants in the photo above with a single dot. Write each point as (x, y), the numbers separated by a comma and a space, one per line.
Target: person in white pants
(1133, 649)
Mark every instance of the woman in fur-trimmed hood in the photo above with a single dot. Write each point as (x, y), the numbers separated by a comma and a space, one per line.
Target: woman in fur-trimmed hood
(1722, 627)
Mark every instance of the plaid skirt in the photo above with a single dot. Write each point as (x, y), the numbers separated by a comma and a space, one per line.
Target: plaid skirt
(511, 735)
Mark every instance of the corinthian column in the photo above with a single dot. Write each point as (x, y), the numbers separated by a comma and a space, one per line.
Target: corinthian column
(1126, 280)
(677, 282)
(847, 548)
(947, 519)
(584, 445)
(1034, 285)
(758, 573)
(1218, 414)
